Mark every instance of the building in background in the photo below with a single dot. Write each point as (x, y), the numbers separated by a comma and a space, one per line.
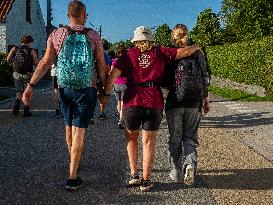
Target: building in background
(18, 17)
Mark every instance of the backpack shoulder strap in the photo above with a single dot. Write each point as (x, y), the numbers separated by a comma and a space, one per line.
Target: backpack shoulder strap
(69, 30)
(85, 31)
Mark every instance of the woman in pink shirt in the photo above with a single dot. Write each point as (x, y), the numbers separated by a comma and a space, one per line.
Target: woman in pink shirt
(120, 84)
(143, 65)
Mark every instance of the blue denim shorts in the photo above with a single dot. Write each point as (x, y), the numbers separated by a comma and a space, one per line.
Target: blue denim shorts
(76, 106)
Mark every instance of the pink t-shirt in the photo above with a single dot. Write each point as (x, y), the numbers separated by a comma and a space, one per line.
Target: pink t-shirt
(58, 36)
(120, 79)
(144, 67)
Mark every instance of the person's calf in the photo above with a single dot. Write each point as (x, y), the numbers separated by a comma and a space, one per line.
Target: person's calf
(27, 113)
(16, 107)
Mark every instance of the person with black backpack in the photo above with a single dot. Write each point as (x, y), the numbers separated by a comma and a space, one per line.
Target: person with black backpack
(23, 59)
(143, 66)
(186, 100)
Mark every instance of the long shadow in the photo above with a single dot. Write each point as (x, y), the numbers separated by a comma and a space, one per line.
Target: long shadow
(242, 179)
(237, 121)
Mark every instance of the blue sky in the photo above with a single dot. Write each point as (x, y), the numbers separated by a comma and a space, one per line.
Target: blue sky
(119, 18)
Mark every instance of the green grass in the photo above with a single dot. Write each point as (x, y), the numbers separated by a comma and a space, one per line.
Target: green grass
(237, 95)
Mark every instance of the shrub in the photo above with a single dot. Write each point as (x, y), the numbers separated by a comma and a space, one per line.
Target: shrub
(248, 62)
(6, 71)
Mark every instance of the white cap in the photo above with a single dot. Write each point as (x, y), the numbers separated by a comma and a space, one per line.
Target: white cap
(142, 33)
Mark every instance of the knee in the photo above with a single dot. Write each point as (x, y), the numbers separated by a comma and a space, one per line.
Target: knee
(131, 135)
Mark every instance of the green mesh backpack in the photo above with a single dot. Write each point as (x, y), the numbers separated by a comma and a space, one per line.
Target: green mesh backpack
(75, 63)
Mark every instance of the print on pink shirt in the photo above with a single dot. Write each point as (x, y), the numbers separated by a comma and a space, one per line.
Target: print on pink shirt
(144, 60)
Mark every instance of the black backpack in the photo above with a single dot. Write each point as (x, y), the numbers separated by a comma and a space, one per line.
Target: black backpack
(23, 62)
(190, 78)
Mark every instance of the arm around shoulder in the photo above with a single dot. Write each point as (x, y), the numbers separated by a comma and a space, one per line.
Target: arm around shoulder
(186, 51)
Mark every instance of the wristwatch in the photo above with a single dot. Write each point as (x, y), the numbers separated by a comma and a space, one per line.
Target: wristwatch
(31, 85)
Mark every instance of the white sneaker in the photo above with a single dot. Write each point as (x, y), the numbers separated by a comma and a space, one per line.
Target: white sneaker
(189, 175)
(146, 185)
(133, 180)
(174, 175)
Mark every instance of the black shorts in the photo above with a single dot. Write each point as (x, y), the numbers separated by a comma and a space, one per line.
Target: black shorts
(54, 82)
(148, 118)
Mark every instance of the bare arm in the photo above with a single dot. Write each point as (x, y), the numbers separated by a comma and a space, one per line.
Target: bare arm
(11, 54)
(101, 66)
(186, 51)
(111, 79)
(34, 57)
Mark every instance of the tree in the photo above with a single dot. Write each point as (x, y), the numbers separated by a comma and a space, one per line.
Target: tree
(247, 19)
(207, 31)
(106, 44)
(162, 35)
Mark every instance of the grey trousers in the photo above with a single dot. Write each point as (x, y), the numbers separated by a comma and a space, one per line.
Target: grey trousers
(183, 126)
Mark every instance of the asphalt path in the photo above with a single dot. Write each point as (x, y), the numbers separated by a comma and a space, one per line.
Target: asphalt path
(34, 159)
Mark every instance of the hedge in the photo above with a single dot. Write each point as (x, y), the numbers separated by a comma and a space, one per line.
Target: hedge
(248, 62)
(6, 70)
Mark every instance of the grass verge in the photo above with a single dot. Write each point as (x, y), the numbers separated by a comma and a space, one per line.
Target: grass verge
(237, 95)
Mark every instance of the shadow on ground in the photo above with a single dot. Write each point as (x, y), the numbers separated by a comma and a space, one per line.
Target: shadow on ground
(237, 121)
(241, 179)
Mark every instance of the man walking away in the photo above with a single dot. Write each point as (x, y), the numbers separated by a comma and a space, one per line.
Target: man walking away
(23, 59)
(76, 49)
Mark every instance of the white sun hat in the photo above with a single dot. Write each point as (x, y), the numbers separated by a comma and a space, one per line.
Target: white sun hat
(142, 33)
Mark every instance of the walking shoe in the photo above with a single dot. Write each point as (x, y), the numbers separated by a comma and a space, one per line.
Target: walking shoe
(16, 108)
(133, 181)
(91, 121)
(189, 175)
(103, 116)
(26, 112)
(120, 125)
(73, 184)
(146, 185)
(174, 175)
(58, 114)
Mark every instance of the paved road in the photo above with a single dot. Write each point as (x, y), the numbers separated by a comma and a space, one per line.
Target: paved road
(34, 162)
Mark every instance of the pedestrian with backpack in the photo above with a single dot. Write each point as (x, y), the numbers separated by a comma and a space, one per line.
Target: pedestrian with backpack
(23, 58)
(76, 49)
(186, 100)
(143, 66)
(55, 93)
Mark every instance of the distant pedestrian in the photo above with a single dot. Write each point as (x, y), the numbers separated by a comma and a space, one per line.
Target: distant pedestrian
(76, 50)
(23, 59)
(102, 105)
(55, 94)
(120, 84)
(143, 66)
(187, 97)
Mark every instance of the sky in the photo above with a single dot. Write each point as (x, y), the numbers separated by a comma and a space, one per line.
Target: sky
(119, 18)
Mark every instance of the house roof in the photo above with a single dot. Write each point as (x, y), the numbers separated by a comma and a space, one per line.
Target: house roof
(5, 6)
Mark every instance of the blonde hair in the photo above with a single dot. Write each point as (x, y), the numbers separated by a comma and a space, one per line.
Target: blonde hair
(180, 35)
